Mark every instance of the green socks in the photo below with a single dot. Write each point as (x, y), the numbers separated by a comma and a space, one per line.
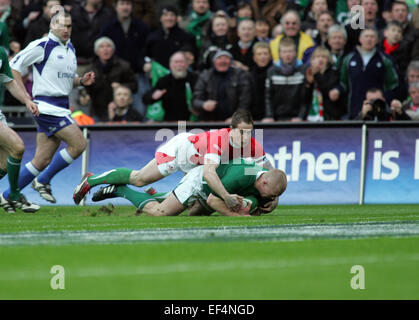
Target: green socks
(138, 199)
(13, 168)
(114, 176)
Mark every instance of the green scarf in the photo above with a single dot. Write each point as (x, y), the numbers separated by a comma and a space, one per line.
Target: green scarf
(155, 111)
(6, 14)
(316, 109)
(195, 25)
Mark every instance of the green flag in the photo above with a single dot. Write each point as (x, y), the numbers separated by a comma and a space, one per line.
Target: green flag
(155, 111)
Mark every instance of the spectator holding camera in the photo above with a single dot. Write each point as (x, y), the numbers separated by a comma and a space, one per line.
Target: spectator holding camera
(374, 108)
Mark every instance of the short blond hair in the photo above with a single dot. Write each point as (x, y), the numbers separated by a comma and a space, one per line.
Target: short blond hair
(322, 50)
(261, 45)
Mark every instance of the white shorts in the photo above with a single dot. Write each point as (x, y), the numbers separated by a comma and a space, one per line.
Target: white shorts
(190, 188)
(175, 155)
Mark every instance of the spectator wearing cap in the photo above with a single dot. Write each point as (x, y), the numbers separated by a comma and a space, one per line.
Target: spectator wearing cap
(129, 35)
(172, 90)
(88, 20)
(111, 72)
(221, 90)
(166, 40)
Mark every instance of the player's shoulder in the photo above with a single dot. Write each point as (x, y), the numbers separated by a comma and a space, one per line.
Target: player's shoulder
(38, 43)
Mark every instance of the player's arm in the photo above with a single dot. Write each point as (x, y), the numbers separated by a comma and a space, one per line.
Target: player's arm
(211, 177)
(33, 53)
(21, 94)
(219, 205)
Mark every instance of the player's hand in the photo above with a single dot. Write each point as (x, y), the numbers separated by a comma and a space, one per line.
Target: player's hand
(33, 108)
(269, 206)
(88, 78)
(233, 202)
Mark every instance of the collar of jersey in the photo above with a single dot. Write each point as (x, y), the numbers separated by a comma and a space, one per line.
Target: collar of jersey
(56, 39)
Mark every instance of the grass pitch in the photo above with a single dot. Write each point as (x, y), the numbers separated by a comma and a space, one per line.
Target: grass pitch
(296, 252)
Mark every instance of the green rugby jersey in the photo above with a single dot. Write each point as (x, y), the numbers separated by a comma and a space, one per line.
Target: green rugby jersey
(5, 72)
(239, 179)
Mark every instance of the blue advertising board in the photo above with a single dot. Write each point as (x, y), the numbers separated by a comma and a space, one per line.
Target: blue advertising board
(322, 163)
(392, 174)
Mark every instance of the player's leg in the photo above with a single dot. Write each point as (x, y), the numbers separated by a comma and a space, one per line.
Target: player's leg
(141, 200)
(73, 136)
(148, 174)
(161, 166)
(139, 178)
(46, 146)
(171, 206)
(198, 209)
(12, 144)
(11, 153)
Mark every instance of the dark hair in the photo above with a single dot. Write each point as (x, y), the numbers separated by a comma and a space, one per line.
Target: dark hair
(116, 1)
(240, 116)
(401, 3)
(394, 24)
(329, 13)
(374, 90)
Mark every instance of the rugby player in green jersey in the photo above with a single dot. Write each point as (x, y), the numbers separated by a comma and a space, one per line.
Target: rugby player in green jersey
(245, 179)
(11, 145)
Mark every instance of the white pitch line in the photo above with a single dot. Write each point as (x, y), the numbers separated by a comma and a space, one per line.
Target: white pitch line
(193, 267)
(291, 232)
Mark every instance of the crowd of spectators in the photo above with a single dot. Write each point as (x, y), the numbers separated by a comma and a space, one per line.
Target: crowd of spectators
(201, 60)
